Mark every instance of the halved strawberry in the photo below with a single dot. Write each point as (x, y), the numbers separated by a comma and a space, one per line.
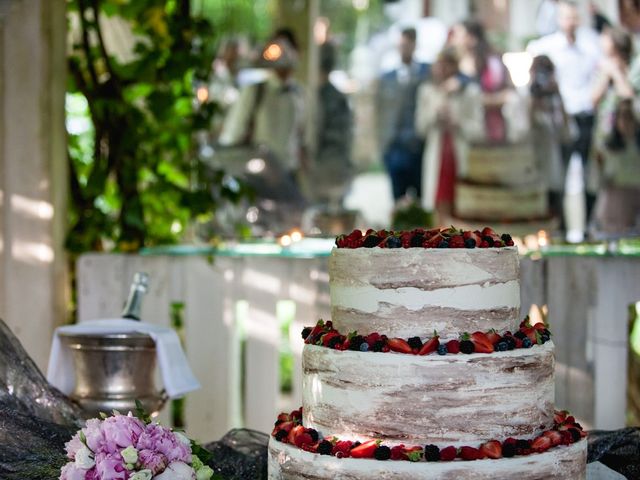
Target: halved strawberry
(481, 342)
(554, 436)
(286, 426)
(489, 231)
(326, 338)
(342, 448)
(365, 450)
(531, 333)
(493, 336)
(430, 345)
(303, 439)
(294, 433)
(491, 449)
(541, 444)
(470, 453)
(399, 345)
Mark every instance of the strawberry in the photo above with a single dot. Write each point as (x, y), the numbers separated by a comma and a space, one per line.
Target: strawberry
(567, 438)
(541, 444)
(457, 241)
(491, 449)
(484, 244)
(294, 433)
(489, 231)
(283, 417)
(493, 336)
(326, 338)
(296, 415)
(342, 449)
(315, 333)
(554, 436)
(413, 454)
(372, 338)
(286, 427)
(431, 345)
(365, 450)
(433, 242)
(481, 342)
(531, 332)
(448, 454)
(453, 346)
(470, 453)
(399, 345)
(303, 439)
(397, 452)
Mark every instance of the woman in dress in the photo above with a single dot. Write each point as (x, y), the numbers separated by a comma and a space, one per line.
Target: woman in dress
(480, 63)
(448, 115)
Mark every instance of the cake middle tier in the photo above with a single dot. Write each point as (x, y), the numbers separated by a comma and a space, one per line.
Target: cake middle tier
(445, 400)
(406, 292)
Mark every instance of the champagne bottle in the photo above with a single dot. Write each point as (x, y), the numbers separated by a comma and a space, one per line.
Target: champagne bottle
(133, 307)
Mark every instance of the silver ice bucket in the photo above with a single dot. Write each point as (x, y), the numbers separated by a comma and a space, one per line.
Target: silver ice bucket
(112, 371)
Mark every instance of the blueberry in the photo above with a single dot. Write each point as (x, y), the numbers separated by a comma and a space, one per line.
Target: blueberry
(470, 243)
(526, 343)
(443, 244)
(442, 349)
(364, 347)
(502, 346)
(417, 240)
(394, 242)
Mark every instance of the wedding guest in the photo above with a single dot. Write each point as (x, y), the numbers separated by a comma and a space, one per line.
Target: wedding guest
(395, 110)
(575, 52)
(549, 130)
(480, 63)
(449, 115)
(617, 210)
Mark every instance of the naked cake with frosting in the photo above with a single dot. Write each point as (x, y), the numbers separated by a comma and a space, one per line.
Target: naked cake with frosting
(425, 370)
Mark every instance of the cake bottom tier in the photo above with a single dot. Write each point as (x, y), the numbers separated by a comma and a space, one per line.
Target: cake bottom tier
(287, 462)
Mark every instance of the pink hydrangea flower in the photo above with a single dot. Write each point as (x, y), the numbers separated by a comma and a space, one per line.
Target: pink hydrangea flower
(154, 461)
(72, 446)
(159, 439)
(121, 431)
(111, 467)
(71, 472)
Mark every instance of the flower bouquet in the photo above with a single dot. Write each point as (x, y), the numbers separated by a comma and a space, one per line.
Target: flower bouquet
(125, 447)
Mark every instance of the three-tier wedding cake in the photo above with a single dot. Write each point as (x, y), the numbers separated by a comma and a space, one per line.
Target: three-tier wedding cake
(425, 370)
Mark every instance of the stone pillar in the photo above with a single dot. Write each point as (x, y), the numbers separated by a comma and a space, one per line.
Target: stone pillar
(33, 171)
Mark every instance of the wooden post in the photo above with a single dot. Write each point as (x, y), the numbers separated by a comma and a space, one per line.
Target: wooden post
(33, 171)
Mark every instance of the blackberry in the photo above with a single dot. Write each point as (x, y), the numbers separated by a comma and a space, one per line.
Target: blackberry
(364, 347)
(502, 346)
(522, 445)
(417, 240)
(520, 335)
(313, 433)
(325, 447)
(526, 343)
(280, 435)
(415, 342)
(394, 242)
(508, 450)
(431, 453)
(470, 243)
(356, 342)
(575, 434)
(442, 349)
(488, 239)
(355, 445)
(306, 331)
(382, 453)
(506, 237)
(335, 341)
(467, 346)
(377, 345)
(511, 343)
(371, 241)
(443, 244)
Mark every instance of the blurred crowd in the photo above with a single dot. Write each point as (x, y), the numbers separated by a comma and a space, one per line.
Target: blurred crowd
(580, 108)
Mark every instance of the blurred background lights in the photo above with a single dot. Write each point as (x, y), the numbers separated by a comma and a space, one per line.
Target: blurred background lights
(256, 165)
(272, 53)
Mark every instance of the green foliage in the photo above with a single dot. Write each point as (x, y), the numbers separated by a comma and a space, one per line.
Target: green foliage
(134, 177)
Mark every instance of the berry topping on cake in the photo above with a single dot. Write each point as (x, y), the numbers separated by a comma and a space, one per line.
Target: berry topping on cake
(431, 345)
(382, 453)
(481, 342)
(399, 345)
(366, 449)
(442, 349)
(325, 447)
(432, 453)
(492, 449)
(541, 444)
(415, 343)
(342, 448)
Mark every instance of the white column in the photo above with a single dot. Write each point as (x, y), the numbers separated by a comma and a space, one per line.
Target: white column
(33, 173)
(450, 11)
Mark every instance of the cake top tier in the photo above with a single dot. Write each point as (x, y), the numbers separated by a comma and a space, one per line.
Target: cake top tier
(414, 291)
(449, 237)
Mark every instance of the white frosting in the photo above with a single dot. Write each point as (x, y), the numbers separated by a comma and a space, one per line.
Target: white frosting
(466, 297)
(287, 462)
(445, 400)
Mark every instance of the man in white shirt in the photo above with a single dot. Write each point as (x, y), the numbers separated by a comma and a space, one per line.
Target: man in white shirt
(271, 113)
(575, 52)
